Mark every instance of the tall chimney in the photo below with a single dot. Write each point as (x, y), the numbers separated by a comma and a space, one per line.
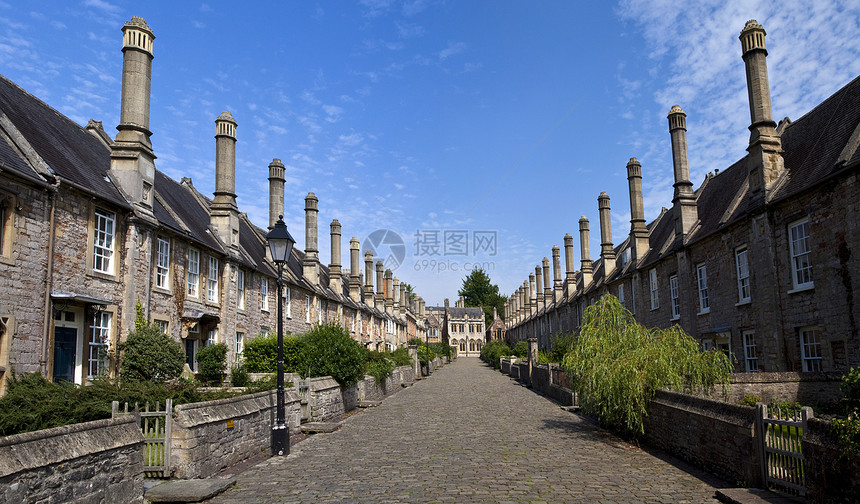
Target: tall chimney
(404, 299)
(569, 266)
(276, 191)
(765, 163)
(686, 212)
(368, 278)
(132, 164)
(556, 274)
(638, 232)
(224, 214)
(585, 257)
(396, 295)
(389, 292)
(607, 253)
(334, 267)
(547, 290)
(354, 271)
(311, 262)
(532, 294)
(538, 295)
(380, 287)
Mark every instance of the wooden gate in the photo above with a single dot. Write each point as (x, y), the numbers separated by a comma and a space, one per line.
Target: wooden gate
(156, 426)
(782, 458)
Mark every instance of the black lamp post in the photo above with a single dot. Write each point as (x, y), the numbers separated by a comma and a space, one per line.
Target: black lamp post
(280, 245)
(427, 344)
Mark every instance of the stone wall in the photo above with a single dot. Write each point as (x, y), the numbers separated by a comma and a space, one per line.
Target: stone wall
(98, 462)
(832, 476)
(325, 399)
(542, 382)
(809, 389)
(211, 436)
(715, 436)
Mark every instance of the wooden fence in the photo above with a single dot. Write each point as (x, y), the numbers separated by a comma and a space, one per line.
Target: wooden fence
(156, 425)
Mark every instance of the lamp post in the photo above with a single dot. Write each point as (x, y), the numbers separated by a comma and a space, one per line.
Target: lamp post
(427, 344)
(280, 245)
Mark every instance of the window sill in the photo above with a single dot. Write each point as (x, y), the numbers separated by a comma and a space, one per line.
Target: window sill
(704, 312)
(162, 290)
(655, 308)
(675, 319)
(264, 310)
(103, 276)
(802, 288)
(7, 260)
(744, 302)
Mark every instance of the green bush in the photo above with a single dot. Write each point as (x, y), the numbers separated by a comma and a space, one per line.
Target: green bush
(425, 354)
(616, 365)
(260, 354)
(442, 349)
(401, 357)
(327, 350)
(379, 365)
(212, 360)
(521, 349)
(147, 354)
(492, 351)
(239, 376)
(561, 344)
(851, 388)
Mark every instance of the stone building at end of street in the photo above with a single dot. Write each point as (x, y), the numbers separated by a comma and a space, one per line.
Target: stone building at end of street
(89, 227)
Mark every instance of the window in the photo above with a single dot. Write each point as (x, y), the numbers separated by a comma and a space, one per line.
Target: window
(319, 310)
(212, 280)
(264, 294)
(240, 289)
(750, 352)
(162, 264)
(287, 304)
(98, 356)
(212, 336)
(162, 325)
(103, 241)
(743, 270)
(702, 276)
(307, 309)
(462, 346)
(652, 280)
(801, 269)
(676, 300)
(810, 347)
(621, 293)
(193, 272)
(240, 346)
(7, 210)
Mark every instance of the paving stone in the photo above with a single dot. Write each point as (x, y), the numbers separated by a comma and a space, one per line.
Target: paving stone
(469, 434)
(195, 490)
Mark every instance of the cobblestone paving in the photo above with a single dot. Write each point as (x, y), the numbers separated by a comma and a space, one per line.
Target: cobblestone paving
(469, 434)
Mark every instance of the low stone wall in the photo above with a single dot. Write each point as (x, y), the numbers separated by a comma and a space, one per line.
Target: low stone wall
(98, 462)
(325, 399)
(716, 436)
(369, 390)
(809, 389)
(505, 366)
(542, 382)
(520, 371)
(214, 435)
(832, 476)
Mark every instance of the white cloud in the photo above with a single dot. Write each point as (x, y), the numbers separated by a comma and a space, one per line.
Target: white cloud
(351, 140)
(105, 6)
(333, 111)
(452, 49)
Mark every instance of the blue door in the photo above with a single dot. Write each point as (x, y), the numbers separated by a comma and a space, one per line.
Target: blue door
(65, 346)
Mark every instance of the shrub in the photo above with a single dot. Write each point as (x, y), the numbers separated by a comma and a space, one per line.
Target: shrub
(327, 350)
(750, 400)
(425, 354)
(617, 365)
(379, 365)
(492, 351)
(239, 377)
(442, 349)
(851, 388)
(561, 344)
(521, 349)
(401, 357)
(260, 354)
(147, 354)
(212, 360)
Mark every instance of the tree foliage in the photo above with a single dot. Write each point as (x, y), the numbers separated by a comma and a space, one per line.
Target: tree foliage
(327, 350)
(492, 351)
(616, 365)
(147, 354)
(478, 290)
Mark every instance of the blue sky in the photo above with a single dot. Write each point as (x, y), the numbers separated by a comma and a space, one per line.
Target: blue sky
(491, 118)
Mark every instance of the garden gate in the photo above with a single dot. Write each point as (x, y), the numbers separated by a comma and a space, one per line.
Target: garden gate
(156, 426)
(781, 432)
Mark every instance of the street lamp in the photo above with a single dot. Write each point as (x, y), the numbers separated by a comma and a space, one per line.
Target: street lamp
(427, 344)
(280, 245)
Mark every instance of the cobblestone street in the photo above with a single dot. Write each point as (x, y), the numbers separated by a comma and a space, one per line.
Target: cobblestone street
(469, 434)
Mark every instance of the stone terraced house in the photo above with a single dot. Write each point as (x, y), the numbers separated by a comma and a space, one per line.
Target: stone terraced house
(89, 227)
(761, 260)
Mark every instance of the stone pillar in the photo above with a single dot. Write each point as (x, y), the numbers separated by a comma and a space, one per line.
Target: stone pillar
(368, 278)
(556, 274)
(533, 356)
(607, 252)
(684, 201)
(380, 287)
(354, 271)
(416, 364)
(310, 264)
(538, 292)
(585, 253)
(569, 267)
(334, 267)
(532, 295)
(547, 290)
(638, 232)
(765, 163)
(388, 291)
(276, 191)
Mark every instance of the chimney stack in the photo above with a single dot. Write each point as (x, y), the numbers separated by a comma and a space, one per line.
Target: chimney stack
(354, 271)
(765, 163)
(639, 245)
(539, 302)
(547, 290)
(389, 292)
(686, 212)
(224, 214)
(585, 257)
(368, 278)
(396, 296)
(311, 262)
(334, 267)
(132, 163)
(556, 274)
(404, 299)
(532, 294)
(607, 253)
(380, 287)
(569, 266)
(276, 191)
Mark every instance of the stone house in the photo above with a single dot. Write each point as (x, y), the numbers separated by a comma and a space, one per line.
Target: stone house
(89, 227)
(463, 329)
(759, 261)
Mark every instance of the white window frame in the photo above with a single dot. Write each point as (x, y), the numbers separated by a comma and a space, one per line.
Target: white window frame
(212, 280)
(104, 234)
(810, 349)
(98, 344)
(652, 282)
(750, 352)
(287, 304)
(163, 325)
(621, 293)
(240, 289)
(799, 249)
(240, 346)
(193, 282)
(742, 267)
(162, 264)
(702, 281)
(212, 336)
(264, 294)
(319, 309)
(675, 296)
(307, 309)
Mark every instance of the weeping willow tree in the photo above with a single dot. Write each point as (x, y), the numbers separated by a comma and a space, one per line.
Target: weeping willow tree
(616, 365)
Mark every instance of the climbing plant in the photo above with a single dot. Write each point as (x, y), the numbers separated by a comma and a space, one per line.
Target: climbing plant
(616, 365)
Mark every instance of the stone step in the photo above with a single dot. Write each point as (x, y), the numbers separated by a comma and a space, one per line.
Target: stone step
(369, 404)
(320, 427)
(195, 490)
